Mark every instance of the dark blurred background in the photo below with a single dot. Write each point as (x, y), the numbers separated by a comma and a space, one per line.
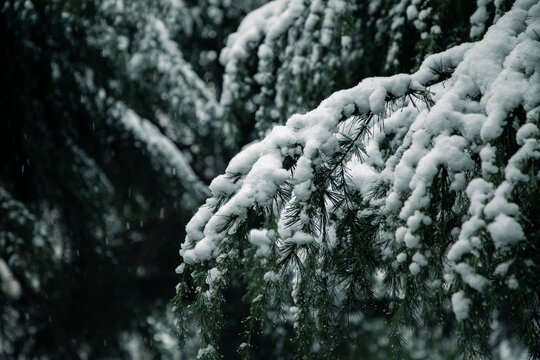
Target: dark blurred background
(105, 154)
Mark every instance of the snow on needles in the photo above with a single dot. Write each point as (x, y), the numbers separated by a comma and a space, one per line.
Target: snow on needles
(431, 124)
(8, 284)
(150, 135)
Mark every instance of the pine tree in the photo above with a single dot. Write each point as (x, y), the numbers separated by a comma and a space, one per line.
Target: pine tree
(399, 217)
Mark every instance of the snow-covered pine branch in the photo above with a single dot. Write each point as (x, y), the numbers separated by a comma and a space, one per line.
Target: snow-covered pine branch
(184, 106)
(150, 58)
(429, 180)
(162, 150)
(288, 55)
(292, 40)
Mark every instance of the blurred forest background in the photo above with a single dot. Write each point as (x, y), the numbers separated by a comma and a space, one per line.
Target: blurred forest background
(116, 115)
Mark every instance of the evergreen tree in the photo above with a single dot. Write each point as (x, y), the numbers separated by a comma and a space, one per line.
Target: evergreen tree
(398, 217)
(395, 218)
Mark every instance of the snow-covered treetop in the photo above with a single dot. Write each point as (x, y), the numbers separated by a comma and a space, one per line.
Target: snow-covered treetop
(434, 175)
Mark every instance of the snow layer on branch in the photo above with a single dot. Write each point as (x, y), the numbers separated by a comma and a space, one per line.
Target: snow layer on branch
(240, 44)
(436, 131)
(489, 67)
(274, 61)
(260, 240)
(460, 305)
(161, 146)
(180, 83)
(505, 231)
(152, 51)
(9, 285)
(314, 132)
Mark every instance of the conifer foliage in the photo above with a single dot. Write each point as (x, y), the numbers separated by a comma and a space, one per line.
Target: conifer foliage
(404, 208)
(381, 196)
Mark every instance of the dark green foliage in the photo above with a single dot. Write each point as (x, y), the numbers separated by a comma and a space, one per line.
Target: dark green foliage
(116, 114)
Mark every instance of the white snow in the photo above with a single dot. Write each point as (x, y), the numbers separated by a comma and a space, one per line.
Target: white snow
(161, 145)
(470, 277)
(414, 268)
(206, 351)
(527, 131)
(419, 259)
(377, 101)
(180, 268)
(505, 231)
(460, 305)
(8, 284)
(401, 257)
(412, 12)
(260, 240)
(502, 268)
(271, 276)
